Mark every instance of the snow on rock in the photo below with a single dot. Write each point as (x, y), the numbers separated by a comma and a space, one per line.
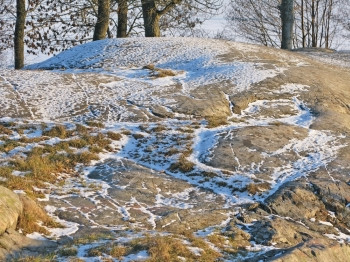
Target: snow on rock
(194, 60)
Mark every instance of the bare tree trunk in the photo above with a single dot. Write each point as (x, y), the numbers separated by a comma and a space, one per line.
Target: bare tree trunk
(19, 34)
(302, 23)
(287, 16)
(329, 17)
(313, 21)
(101, 26)
(150, 18)
(122, 18)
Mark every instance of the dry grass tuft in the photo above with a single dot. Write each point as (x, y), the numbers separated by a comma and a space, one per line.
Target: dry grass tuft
(114, 136)
(172, 151)
(95, 124)
(159, 72)
(32, 214)
(59, 131)
(118, 251)
(214, 121)
(83, 130)
(8, 145)
(208, 174)
(254, 188)
(149, 67)
(88, 239)
(40, 258)
(138, 136)
(158, 128)
(182, 165)
(5, 130)
(77, 143)
(163, 73)
(84, 157)
(68, 252)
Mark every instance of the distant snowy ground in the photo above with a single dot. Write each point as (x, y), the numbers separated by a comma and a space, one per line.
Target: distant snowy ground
(340, 58)
(194, 61)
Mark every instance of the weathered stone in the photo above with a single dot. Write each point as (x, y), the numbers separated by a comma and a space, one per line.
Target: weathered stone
(316, 250)
(281, 232)
(295, 201)
(10, 209)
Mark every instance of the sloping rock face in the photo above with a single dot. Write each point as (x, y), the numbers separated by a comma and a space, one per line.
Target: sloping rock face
(242, 146)
(316, 250)
(10, 209)
(14, 245)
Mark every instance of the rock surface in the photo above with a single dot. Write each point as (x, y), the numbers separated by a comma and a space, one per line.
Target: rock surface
(10, 209)
(246, 147)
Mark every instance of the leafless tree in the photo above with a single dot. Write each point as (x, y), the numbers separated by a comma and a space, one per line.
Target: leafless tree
(317, 22)
(287, 18)
(175, 13)
(101, 26)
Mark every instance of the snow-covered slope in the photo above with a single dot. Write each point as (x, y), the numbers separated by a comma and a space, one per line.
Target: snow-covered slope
(194, 60)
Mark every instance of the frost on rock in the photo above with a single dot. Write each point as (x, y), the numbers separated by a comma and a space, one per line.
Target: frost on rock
(207, 155)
